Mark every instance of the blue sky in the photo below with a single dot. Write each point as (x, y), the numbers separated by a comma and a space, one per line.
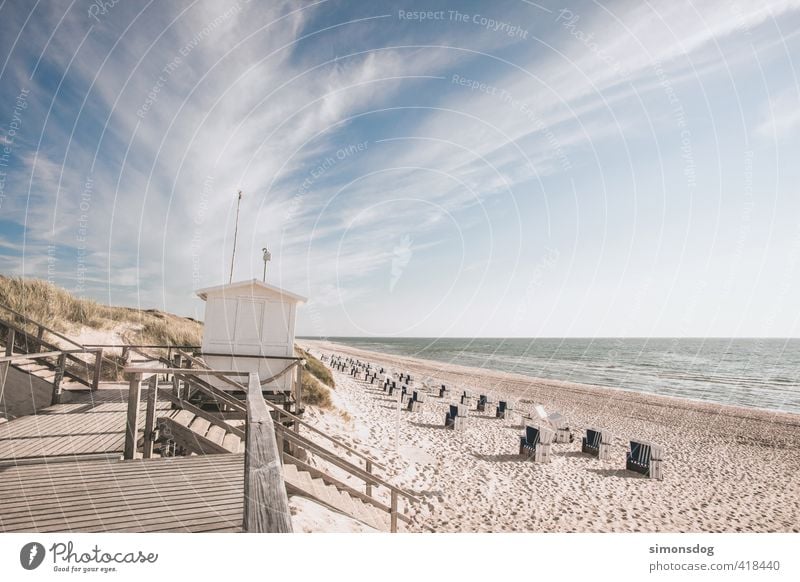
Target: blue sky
(492, 169)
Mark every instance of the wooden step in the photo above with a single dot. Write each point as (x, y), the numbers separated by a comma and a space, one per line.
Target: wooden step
(217, 434)
(232, 443)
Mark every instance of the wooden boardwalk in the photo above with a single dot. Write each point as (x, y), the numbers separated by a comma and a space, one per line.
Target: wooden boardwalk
(91, 423)
(180, 494)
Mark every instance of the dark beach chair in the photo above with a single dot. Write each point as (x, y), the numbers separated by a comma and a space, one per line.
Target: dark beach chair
(597, 443)
(456, 417)
(416, 402)
(504, 409)
(645, 458)
(482, 401)
(536, 443)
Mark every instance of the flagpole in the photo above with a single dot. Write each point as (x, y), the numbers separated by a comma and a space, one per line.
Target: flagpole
(235, 234)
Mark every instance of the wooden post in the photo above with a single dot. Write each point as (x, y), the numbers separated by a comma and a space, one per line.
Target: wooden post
(132, 422)
(369, 470)
(10, 341)
(98, 366)
(3, 374)
(393, 527)
(176, 384)
(298, 389)
(150, 417)
(266, 506)
(62, 362)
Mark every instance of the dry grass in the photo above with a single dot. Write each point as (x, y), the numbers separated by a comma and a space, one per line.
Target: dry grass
(314, 392)
(313, 378)
(316, 368)
(60, 310)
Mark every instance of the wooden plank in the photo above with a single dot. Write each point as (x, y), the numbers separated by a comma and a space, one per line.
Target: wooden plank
(10, 337)
(98, 366)
(132, 420)
(266, 505)
(211, 417)
(200, 426)
(59, 376)
(187, 438)
(150, 418)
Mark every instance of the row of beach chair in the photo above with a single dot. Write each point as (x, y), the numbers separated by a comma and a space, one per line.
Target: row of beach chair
(536, 443)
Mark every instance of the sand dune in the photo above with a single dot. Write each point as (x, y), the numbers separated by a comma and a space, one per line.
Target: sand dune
(727, 468)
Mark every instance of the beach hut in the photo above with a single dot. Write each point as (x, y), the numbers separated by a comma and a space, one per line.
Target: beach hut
(249, 327)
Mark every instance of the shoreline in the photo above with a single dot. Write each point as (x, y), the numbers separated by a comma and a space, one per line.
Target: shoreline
(734, 410)
(726, 469)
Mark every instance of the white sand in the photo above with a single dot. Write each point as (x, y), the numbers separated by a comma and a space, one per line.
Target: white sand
(311, 517)
(727, 468)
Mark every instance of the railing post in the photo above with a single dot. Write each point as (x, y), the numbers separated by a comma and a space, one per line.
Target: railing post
(369, 470)
(98, 367)
(132, 422)
(60, 364)
(393, 527)
(150, 417)
(10, 337)
(266, 506)
(298, 390)
(4, 366)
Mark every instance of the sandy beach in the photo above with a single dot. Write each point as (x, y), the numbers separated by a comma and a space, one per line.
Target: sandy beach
(727, 468)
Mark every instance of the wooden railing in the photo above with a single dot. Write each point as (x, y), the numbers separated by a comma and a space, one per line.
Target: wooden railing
(33, 343)
(281, 434)
(57, 361)
(266, 505)
(286, 415)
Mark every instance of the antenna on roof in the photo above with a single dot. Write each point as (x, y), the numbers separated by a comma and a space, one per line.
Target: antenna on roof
(267, 257)
(235, 234)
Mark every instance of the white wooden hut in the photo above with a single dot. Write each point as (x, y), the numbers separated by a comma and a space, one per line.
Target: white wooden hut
(245, 321)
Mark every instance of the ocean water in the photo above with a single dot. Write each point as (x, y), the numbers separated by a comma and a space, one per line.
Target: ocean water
(759, 373)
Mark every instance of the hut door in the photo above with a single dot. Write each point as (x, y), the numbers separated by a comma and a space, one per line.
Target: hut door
(249, 323)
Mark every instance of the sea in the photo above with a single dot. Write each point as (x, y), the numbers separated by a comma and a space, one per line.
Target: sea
(757, 373)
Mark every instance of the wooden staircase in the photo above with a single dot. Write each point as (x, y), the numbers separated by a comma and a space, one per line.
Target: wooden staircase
(198, 435)
(185, 432)
(77, 368)
(325, 491)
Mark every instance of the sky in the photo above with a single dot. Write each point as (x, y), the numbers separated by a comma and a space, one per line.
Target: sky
(423, 169)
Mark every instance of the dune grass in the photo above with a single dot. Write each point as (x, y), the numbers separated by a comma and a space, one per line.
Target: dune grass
(315, 379)
(316, 368)
(58, 309)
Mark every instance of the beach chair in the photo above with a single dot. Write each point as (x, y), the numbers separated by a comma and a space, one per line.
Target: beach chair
(482, 401)
(645, 458)
(557, 422)
(597, 443)
(536, 443)
(467, 398)
(416, 402)
(456, 417)
(444, 391)
(504, 409)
